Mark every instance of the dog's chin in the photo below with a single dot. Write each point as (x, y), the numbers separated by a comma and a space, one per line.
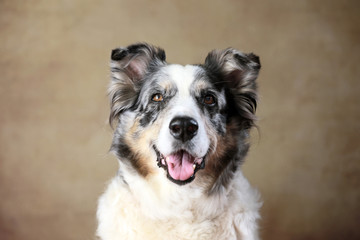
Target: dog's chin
(180, 166)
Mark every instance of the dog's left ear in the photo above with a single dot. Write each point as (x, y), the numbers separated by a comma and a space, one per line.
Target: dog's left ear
(239, 71)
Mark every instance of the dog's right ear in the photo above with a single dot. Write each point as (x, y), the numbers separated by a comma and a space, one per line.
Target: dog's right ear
(129, 66)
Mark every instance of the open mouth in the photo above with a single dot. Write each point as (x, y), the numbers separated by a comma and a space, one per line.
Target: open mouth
(180, 166)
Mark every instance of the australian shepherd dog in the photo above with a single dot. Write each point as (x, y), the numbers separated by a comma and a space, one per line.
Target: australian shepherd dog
(181, 134)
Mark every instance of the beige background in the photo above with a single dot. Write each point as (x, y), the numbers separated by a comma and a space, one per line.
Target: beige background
(53, 106)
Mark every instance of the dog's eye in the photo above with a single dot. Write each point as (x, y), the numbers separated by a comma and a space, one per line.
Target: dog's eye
(209, 100)
(157, 97)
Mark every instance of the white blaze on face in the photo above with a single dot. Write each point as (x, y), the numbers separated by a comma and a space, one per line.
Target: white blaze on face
(183, 105)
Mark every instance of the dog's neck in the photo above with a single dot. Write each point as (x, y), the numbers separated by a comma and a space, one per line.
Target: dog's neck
(156, 196)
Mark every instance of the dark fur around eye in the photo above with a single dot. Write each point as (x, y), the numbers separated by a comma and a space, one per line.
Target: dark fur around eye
(209, 100)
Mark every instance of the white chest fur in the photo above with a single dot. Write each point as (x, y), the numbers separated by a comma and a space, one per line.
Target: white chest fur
(177, 212)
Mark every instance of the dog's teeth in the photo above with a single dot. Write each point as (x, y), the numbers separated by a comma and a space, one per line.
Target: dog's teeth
(194, 166)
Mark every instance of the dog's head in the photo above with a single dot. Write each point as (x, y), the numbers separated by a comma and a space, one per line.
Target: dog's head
(183, 119)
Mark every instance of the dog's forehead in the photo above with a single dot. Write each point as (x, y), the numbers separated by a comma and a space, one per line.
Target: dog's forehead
(183, 77)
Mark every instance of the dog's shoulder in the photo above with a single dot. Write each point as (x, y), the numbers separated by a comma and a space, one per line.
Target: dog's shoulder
(112, 213)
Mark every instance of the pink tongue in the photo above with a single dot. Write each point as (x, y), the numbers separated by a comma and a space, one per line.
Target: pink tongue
(180, 165)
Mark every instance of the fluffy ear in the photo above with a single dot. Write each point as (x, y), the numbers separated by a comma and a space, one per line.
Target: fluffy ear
(239, 71)
(129, 66)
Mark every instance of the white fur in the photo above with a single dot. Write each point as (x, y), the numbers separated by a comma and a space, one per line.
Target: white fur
(139, 210)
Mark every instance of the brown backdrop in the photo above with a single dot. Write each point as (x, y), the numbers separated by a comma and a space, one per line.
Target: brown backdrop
(53, 106)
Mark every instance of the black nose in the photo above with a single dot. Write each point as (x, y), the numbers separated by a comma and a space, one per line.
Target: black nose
(183, 128)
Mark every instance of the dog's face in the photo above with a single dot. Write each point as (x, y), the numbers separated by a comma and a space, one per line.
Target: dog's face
(179, 120)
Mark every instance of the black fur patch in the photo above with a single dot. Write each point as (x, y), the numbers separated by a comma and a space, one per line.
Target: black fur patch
(236, 73)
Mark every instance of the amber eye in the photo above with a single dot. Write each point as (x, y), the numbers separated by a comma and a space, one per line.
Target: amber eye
(209, 100)
(157, 97)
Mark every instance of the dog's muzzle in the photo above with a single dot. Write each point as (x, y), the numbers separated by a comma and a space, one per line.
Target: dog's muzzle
(181, 166)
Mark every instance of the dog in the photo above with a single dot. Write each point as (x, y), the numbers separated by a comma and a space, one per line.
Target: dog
(181, 135)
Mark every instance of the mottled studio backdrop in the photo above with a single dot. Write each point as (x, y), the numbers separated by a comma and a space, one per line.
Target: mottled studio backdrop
(54, 137)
